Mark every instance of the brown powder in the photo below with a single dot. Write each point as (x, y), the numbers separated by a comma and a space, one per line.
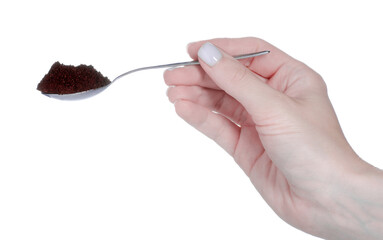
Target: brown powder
(67, 79)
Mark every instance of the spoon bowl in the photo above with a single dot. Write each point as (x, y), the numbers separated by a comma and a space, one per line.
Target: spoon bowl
(93, 92)
(79, 95)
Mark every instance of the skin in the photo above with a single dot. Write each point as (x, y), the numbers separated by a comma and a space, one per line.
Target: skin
(273, 115)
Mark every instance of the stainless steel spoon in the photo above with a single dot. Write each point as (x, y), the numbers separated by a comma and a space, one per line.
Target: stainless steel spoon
(92, 92)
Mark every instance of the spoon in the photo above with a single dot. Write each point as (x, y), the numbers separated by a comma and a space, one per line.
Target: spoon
(93, 92)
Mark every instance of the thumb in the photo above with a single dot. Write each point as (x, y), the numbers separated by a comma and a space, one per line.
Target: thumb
(235, 79)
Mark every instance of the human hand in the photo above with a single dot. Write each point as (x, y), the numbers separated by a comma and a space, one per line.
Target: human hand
(273, 115)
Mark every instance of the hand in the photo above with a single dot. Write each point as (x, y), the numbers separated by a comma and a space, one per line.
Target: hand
(273, 115)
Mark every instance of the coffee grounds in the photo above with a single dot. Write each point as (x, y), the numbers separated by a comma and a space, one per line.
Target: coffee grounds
(67, 79)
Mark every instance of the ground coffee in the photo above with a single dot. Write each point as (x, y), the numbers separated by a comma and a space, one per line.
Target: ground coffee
(67, 79)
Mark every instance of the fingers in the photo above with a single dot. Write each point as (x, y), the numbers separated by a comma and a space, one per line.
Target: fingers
(250, 90)
(214, 100)
(265, 66)
(242, 143)
(224, 132)
(188, 76)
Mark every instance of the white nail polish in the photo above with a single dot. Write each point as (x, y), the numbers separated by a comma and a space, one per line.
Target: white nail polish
(209, 54)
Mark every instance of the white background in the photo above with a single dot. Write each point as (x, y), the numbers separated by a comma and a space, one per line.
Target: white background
(122, 165)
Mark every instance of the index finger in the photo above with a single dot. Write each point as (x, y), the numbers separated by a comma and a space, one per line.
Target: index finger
(266, 66)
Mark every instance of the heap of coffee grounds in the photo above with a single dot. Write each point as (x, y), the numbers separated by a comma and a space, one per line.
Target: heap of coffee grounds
(67, 79)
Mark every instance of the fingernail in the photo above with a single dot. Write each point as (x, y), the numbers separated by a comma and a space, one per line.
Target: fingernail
(209, 54)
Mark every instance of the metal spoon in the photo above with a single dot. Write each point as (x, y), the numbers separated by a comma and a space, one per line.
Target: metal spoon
(92, 92)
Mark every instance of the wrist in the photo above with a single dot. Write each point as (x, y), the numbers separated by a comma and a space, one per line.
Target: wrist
(356, 204)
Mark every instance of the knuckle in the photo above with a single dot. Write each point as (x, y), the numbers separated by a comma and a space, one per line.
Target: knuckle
(238, 76)
(219, 104)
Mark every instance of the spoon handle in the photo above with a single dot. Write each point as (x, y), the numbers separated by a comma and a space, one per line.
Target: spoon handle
(170, 65)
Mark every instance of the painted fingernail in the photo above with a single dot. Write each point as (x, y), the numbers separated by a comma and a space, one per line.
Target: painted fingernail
(209, 54)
